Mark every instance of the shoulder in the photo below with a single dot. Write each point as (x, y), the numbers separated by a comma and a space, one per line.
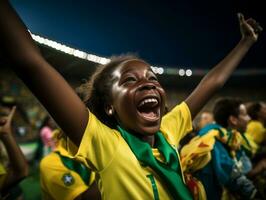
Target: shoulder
(255, 124)
(49, 161)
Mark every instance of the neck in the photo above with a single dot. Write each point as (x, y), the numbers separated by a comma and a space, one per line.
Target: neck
(148, 138)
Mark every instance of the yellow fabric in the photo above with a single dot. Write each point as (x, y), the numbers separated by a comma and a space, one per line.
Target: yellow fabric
(194, 156)
(251, 146)
(234, 142)
(121, 176)
(196, 187)
(226, 195)
(257, 131)
(197, 153)
(53, 174)
(3, 174)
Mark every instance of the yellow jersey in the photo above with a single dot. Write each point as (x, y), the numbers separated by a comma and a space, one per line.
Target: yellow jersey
(257, 131)
(121, 175)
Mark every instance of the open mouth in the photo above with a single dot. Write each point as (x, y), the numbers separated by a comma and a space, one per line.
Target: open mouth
(149, 109)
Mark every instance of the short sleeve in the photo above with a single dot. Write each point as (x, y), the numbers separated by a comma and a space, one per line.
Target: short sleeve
(177, 123)
(98, 145)
(58, 182)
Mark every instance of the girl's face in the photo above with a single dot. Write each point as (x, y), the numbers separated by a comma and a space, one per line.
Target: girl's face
(138, 100)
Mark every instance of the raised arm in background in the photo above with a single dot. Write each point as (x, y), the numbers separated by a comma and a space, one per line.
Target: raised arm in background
(217, 76)
(18, 167)
(44, 81)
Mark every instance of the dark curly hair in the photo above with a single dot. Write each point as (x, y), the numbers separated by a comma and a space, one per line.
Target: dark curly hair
(96, 92)
(253, 109)
(224, 108)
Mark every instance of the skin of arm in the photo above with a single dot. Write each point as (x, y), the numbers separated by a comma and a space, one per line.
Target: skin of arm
(91, 193)
(259, 168)
(18, 165)
(218, 75)
(43, 80)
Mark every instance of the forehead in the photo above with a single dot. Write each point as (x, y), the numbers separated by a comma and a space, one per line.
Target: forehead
(134, 65)
(242, 109)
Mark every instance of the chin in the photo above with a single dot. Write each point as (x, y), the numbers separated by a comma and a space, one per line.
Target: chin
(150, 130)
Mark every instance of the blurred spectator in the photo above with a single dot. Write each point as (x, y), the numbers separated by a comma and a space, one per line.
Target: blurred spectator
(256, 127)
(205, 118)
(46, 143)
(17, 168)
(216, 156)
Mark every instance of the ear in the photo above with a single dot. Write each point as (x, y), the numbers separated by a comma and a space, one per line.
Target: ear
(233, 120)
(109, 110)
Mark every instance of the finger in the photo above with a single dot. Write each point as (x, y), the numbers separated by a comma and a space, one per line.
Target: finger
(251, 21)
(12, 112)
(255, 25)
(258, 28)
(241, 17)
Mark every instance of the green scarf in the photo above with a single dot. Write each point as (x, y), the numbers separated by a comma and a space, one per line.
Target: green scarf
(169, 171)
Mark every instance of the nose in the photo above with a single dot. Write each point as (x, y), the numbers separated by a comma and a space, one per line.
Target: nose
(147, 85)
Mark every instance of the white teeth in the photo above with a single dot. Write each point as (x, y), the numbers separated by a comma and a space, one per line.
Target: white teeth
(148, 101)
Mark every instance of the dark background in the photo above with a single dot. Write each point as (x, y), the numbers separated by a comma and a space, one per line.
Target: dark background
(169, 33)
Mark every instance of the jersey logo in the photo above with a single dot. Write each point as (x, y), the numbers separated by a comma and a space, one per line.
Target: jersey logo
(68, 179)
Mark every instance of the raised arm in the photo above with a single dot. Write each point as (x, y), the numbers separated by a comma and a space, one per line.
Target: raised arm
(43, 80)
(18, 165)
(216, 77)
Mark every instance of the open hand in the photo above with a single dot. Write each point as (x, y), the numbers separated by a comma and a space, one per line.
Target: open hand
(250, 29)
(5, 122)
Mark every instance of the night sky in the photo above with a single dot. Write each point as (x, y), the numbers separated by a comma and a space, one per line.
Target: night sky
(172, 33)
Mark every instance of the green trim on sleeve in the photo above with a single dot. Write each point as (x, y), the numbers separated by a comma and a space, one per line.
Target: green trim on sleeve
(77, 167)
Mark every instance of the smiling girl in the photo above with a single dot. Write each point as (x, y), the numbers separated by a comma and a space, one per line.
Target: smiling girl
(121, 132)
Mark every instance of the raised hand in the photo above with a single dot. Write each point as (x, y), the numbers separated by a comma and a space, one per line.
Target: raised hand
(250, 28)
(5, 122)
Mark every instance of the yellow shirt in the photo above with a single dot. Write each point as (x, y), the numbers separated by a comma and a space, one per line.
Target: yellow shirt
(58, 181)
(256, 130)
(121, 176)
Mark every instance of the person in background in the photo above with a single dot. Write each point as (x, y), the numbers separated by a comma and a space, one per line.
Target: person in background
(219, 159)
(17, 169)
(46, 133)
(256, 133)
(205, 118)
(65, 178)
(257, 126)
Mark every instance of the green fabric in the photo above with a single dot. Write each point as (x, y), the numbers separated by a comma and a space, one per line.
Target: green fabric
(77, 167)
(154, 187)
(170, 171)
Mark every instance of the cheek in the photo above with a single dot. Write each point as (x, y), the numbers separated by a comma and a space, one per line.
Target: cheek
(162, 93)
(125, 100)
(244, 122)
